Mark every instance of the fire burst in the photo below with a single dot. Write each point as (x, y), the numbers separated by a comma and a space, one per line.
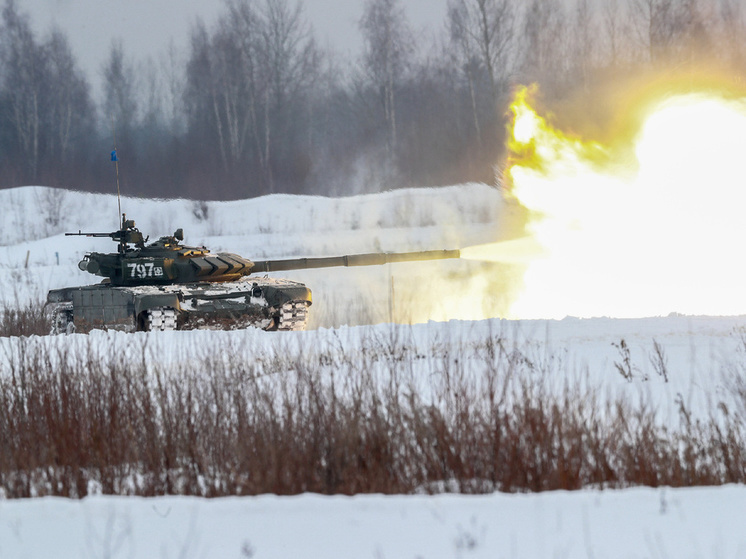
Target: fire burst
(663, 233)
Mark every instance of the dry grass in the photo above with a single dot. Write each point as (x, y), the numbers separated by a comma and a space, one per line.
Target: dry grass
(25, 320)
(341, 420)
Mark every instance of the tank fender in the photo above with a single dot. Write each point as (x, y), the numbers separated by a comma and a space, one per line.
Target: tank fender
(277, 297)
(60, 295)
(147, 302)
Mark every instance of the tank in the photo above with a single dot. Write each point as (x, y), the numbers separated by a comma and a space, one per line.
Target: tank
(166, 285)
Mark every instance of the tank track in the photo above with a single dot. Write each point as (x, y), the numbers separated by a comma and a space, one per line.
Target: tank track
(160, 319)
(265, 303)
(61, 318)
(293, 316)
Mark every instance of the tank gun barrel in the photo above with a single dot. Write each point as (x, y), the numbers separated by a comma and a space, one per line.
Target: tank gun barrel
(369, 259)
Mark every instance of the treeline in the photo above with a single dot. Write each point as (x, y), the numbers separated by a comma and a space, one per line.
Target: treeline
(256, 106)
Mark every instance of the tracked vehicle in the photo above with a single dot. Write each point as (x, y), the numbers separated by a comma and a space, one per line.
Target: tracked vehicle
(169, 286)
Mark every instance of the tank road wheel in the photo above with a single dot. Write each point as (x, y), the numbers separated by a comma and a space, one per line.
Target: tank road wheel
(293, 316)
(62, 320)
(159, 319)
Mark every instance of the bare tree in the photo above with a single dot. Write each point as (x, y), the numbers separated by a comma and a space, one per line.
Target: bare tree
(732, 30)
(484, 29)
(614, 24)
(482, 33)
(172, 67)
(24, 64)
(120, 96)
(281, 68)
(654, 22)
(231, 94)
(583, 40)
(546, 54)
(161, 92)
(695, 22)
(388, 47)
(45, 108)
(70, 111)
(670, 30)
(248, 82)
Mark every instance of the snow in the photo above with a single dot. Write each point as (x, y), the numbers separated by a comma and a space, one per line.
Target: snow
(700, 353)
(634, 523)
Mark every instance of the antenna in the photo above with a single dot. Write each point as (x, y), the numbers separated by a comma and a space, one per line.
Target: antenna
(115, 159)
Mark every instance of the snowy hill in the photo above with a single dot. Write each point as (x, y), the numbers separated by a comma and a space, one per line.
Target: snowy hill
(36, 257)
(700, 356)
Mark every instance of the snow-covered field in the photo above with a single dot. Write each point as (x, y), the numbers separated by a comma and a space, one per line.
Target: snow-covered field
(35, 256)
(463, 299)
(635, 523)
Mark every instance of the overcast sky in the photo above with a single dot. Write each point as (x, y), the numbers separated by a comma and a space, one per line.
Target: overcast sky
(146, 27)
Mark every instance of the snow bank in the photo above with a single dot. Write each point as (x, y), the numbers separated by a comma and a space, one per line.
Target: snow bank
(633, 523)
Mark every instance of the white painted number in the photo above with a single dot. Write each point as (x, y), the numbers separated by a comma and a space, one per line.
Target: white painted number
(144, 270)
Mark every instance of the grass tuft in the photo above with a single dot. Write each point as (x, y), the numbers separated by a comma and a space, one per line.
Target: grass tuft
(371, 415)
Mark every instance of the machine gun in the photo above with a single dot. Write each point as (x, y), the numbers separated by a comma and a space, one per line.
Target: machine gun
(127, 235)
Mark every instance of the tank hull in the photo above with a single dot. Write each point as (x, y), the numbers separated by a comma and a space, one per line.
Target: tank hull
(267, 303)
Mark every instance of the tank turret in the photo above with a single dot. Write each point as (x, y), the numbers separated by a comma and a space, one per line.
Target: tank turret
(163, 262)
(166, 285)
(166, 261)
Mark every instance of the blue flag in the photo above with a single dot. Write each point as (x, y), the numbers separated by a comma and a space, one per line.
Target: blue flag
(114, 155)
